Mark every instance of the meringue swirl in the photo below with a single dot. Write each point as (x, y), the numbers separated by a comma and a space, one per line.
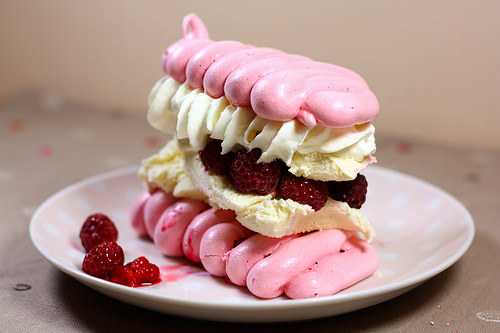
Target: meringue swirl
(316, 264)
(275, 85)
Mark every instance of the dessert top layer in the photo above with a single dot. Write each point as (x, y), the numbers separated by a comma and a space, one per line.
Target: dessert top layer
(275, 85)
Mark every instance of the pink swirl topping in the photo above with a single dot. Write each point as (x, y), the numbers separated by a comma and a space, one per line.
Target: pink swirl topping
(316, 264)
(276, 85)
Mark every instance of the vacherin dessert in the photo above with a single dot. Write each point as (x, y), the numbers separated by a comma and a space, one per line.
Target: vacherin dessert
(260, 181)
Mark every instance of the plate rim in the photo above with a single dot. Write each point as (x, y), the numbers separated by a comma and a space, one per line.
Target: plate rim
(260, 304)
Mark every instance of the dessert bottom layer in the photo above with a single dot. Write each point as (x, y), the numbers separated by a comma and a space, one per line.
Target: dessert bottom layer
(300, 266)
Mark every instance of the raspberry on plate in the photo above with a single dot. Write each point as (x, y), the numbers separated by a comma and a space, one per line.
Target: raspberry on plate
(144, 271)
(125, 276)
(353, 192)
(96, 229)
(248, 176)
(212, 159)
(305, 191)
(103, 259)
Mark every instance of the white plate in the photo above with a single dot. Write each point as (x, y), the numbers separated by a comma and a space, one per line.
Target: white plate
(421, 231)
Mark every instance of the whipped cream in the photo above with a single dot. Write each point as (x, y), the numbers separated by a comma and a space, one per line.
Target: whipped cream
(194, 117)
(166, 170)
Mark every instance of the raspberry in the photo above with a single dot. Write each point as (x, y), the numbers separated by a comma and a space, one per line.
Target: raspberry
(212, 159)
(353, 192)
(96, 229)
(248, 176)
(144, 271)
(305, 191)
(103, 259)
(125, 276)
(134, 274)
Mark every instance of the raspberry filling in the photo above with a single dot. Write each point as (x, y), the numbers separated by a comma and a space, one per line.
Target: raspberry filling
(248, 176)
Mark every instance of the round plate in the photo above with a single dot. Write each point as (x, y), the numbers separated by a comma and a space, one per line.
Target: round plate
(421, 231)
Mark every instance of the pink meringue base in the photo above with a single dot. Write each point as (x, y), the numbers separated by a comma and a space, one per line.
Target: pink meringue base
(320, 263)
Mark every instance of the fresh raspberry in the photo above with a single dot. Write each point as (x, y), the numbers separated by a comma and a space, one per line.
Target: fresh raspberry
(98, 228)
(305, 191)
(125, 276)
(212, 159)
(353, 192)
(248, 176)
(144, 271)
(103, 259)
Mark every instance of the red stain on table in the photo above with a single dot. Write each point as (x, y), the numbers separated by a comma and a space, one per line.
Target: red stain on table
(152, 142)
(45, 151)
(15, 125)
(404, 147)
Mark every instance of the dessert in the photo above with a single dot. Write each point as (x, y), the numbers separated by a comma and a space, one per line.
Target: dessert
(260, 181)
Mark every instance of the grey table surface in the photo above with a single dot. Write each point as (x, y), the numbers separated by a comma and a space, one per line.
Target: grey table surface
(47, 143)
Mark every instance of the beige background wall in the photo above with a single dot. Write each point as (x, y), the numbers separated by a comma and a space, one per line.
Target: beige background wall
(435, 65)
